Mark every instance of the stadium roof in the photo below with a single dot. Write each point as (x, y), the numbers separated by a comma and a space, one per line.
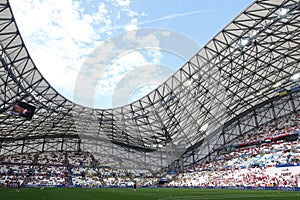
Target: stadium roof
(245, 64)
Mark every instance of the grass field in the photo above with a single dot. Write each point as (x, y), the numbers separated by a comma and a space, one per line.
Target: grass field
(141, 194)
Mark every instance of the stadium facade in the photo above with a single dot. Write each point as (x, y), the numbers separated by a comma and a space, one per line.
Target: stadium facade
(247, 75)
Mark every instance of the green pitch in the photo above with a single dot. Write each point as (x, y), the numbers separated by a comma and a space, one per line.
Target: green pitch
(141, 194)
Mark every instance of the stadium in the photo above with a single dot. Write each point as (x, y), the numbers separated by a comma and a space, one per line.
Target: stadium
(225, 125)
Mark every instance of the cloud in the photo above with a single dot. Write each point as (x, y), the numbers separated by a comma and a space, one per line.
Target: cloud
(142, 79)
(123, 2)
(130, 27)
(56, 36)
(142, 90)
(61, 34)
(114, 73)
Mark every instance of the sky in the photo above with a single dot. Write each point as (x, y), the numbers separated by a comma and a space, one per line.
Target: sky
(108, 53)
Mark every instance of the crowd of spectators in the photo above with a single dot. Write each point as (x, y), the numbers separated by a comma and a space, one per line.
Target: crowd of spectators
(102, 177)
(67, 169)
(268, 156)
(44, 169)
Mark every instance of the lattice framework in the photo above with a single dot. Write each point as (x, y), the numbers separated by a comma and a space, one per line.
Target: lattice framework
(244, 65)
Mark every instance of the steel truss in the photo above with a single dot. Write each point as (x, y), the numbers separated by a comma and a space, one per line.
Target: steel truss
(244, 65)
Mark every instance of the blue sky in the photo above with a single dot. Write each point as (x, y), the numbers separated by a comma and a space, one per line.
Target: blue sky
(77, 44)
